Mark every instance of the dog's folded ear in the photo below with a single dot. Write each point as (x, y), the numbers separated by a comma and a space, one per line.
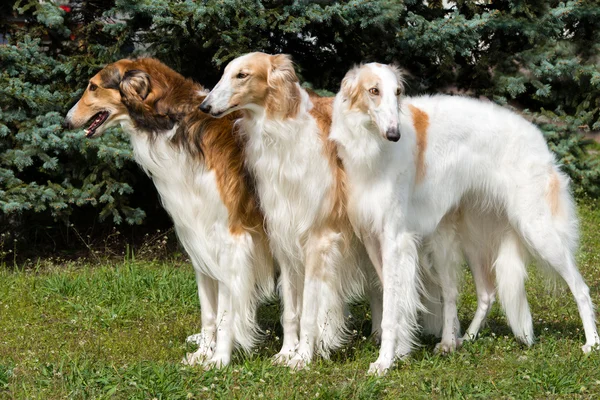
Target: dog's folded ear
(284, 96)
(135, 84)
(282, 71)
(349, 87)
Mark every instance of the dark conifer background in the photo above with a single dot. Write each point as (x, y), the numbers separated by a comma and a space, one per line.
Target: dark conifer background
(540, 57)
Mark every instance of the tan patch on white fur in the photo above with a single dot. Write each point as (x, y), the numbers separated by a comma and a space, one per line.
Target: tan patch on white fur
(224, 154)
(421, 123)
(356, 89)
(283, 96)
(553, 193)
(338, 217)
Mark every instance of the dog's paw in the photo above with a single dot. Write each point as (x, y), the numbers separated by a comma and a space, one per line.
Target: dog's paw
(447, 347)
(467, 337)
(297, 363)
(205, 352)
(192, 359)
(217, 362)
(379, 368)
(283, 356)
(588, 348)
(376, 338)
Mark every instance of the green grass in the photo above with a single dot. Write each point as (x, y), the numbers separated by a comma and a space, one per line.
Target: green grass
(117, 330)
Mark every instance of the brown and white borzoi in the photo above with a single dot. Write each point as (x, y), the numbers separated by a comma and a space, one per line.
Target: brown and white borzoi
(196, 163)
(300, 185)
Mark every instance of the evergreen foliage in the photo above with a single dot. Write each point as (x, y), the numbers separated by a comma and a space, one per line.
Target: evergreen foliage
(540, 57)
(43, 169)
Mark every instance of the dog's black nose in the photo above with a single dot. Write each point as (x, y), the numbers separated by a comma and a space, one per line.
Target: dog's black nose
(67, 124)
(205, 108)
(393, 134)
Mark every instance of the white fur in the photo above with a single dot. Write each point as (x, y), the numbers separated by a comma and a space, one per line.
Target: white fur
(481, 159)
(320, 268)
(294, 181)
(233, 271)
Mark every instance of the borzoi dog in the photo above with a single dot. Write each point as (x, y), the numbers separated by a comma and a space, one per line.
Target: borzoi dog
(196, 163)
(301, 190)
(451, 153)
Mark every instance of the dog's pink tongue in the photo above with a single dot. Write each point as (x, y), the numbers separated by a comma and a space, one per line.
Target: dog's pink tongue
(96, 123)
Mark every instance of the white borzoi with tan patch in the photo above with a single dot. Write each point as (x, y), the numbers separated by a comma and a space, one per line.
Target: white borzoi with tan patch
(300, 185)
(196, 163)
(411, 162)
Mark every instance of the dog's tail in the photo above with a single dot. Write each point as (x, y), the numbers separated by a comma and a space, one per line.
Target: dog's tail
(563, 219)
(511, 273)
(431, 297)
(548, 230)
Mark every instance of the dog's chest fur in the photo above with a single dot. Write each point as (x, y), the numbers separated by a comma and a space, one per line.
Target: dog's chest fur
(293, 179)
(374, 175)
(189, 192)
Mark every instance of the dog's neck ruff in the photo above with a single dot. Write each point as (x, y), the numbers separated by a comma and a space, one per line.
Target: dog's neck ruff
(189, 192)
(359, 144)
(293, 176)
(363, 148)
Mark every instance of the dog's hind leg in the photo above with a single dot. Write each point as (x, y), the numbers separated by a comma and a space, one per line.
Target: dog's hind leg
(581, 292)
(483, 278)
(376, 304)
(551, 236)
(245, 287)
(322, 323)
(486, 294)
(446, 256)
(432, 318)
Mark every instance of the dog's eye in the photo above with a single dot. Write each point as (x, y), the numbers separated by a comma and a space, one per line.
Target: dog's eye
(398, 92)
(241, 75)
(93, 87)
(374, 91)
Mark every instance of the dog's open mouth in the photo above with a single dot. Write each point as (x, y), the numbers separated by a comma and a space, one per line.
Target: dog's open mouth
(96, 121)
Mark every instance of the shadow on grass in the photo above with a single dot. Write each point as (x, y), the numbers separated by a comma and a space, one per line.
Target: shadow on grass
(360, 342)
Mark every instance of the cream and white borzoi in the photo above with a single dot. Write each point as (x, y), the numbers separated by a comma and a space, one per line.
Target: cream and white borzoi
(412, 163)
(301, 190)
(196, 163)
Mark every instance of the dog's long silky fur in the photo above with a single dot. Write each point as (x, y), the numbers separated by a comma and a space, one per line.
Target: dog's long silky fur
(300, 184)
(461, 170)
(197, 165)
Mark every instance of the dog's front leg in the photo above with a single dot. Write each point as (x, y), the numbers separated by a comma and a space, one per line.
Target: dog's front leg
(447, 257)
(224, 347)
(206, 339)
(291, 294)
(400, 298)
(373, 247)
(235, 260)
